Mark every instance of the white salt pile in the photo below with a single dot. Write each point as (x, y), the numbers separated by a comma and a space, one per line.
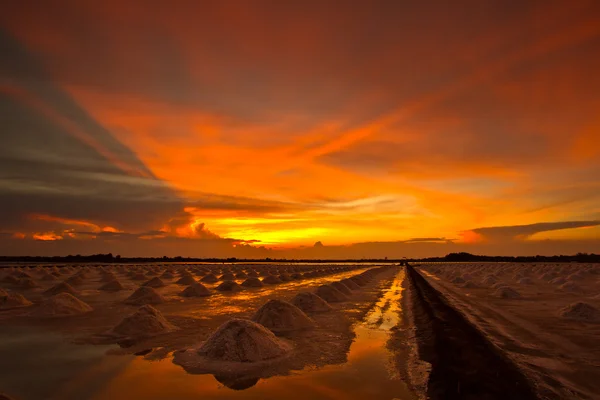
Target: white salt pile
(112, 286)
(27, 283)
(195, 290)
(581, 312)
(350, 284)
(330, 294)
(252, 282)
(227, 277)
(62, 287)
(61, 305)
(228, 286)
(457, 280)
(12, 300)
(210, 278)
(280, 316)
(570, 287)
(243, 341)
(10, 279)
(145, 295)
(47, 277)
(558, 281)
(342, 288)
(155, 282)
(272, 280)
(140, 276)
(167, 275)
(506, 292)
(146, 321)
(108, 276)
(360, 280)
(75, 280)
(310, 303)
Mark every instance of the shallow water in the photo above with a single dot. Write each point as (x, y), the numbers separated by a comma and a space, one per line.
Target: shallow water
(46, 366)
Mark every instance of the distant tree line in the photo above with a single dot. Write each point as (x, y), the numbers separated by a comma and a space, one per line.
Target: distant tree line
(467, 257)
(452, 257)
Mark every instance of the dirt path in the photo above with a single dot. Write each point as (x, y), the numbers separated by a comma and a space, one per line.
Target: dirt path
(464, 364)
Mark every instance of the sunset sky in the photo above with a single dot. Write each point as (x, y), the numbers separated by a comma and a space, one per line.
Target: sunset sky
(258, 128)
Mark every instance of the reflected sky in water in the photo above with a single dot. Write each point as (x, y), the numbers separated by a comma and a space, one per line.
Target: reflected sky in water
(65, 371)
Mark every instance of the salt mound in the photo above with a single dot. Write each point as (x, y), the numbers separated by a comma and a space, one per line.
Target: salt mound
(108, 276)
(342, 288)
(525, 281)
(47, 277)
(470, 285)
(506, 292)
(227, 277)
(350, 283)
(570, 287)
(285, 277)
(252, 282)
(154, 283)
(241, 275)
(243, 341)
(280, 316)
(359, 280)
(61, 305)
(576, 276)
(457, 280)
(272, 280)
(186, 279)
(195, 290)
(210, 278)
(330, 294)
(74, 280)
(27, 283)
(558, 281)
(228, 286)
(140, 276)
(167, 275)
(146, 321)
(62, 287)
(10, 279)
(581, 312)
(310, 303)
(22, 274)
(145, 295)
(11, 300)
(548, 276)
(112, 286)
(489, 280)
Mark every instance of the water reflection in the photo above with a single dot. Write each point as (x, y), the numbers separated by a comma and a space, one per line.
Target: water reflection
(237, 382)
(365, 375)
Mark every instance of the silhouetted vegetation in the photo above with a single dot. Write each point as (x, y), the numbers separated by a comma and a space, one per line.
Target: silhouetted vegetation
(452, 257)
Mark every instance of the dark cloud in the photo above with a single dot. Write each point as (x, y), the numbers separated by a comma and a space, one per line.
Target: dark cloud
(56, 159)
(524, 231)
